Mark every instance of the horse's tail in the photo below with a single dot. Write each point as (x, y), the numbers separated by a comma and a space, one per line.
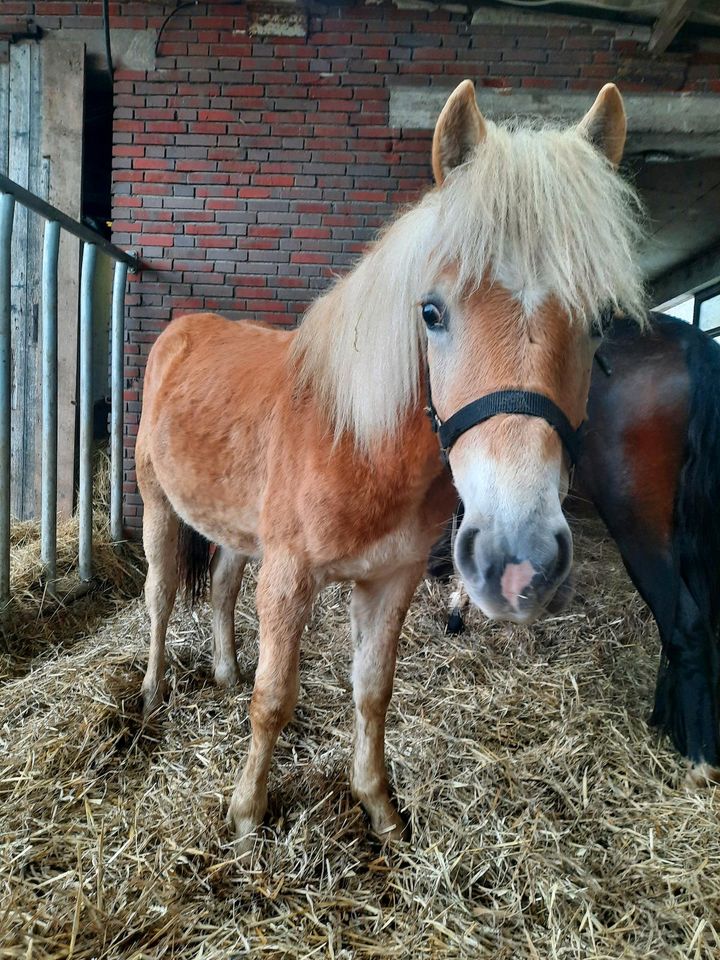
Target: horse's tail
(686, 697)
(193, 563)
(697, 505)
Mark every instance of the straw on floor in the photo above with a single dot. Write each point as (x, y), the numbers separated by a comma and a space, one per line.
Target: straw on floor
(36, 619)
(548, 820)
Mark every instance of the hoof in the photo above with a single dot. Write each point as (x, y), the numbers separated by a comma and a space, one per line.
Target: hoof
(245, 814)
(245, 830)
(386, 822)
(391, 828)
(455, 623)
(227, 675)
(701, 775)
(246, 838)
(153, 698)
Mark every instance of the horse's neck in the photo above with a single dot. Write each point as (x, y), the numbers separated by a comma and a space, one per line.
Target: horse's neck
(407, 458)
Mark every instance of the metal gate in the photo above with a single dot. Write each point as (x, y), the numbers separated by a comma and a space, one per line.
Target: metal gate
(12, 193)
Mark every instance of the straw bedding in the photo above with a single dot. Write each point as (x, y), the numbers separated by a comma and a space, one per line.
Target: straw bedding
(547, 819)
(37, 620)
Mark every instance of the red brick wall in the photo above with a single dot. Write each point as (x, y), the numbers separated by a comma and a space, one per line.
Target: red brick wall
(247, 173)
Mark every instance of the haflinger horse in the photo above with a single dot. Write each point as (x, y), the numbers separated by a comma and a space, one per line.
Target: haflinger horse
(650, 463)
(311, 449)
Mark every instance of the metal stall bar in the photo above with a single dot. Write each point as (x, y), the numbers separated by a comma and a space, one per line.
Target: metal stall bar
(48, 488)
(77, 229)
(116, 400)
(85, 497)
(7, 212)
(9, 193)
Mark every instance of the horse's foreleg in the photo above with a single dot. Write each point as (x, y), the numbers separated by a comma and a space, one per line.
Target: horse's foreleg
(160, 536)
(226, 571)
(377, 612)
(284, 596)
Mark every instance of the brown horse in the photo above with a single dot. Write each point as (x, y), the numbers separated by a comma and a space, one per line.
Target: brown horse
(651, 465)
(311, 448)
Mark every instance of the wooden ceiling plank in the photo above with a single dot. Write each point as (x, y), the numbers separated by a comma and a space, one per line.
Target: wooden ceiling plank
(667, 26)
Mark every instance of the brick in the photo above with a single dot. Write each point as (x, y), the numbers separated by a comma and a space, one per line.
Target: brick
(592, 41)
(309, 258)
(216, 243)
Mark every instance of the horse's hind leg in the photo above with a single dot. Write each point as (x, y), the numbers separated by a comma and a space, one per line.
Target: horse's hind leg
(226, 571)
(284, 595)
(377, 613)
(160, 536)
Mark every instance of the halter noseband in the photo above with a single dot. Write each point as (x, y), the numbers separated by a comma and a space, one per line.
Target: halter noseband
(523, 402)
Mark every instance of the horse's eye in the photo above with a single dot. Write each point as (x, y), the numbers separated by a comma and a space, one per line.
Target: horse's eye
(433, 316)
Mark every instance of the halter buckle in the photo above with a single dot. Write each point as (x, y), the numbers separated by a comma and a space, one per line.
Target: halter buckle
(435, 421)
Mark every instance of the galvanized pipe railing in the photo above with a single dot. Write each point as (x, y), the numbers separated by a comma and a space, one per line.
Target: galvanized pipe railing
(77, 229)
(48, 481)
(117, 337)
(85, 485)
(10, 192)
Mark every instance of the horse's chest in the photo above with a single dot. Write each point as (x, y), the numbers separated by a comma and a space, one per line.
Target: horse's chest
(404, 546)
(355, 516)
(349, 514)
(382, 533)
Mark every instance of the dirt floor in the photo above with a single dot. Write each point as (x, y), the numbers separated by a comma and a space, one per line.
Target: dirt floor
(547, 819)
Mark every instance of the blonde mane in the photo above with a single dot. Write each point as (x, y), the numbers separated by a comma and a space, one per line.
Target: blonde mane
(538, 209)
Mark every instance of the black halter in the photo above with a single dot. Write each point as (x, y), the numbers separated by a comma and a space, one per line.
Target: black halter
(523, 402)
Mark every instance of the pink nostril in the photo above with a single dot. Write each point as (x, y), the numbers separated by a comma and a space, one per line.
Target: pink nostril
(515, 578)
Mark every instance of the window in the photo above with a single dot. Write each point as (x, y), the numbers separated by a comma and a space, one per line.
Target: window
(707, 311)
(682, 309)
(701, 309)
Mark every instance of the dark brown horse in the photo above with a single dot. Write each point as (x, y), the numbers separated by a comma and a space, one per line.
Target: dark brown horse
(650, 463)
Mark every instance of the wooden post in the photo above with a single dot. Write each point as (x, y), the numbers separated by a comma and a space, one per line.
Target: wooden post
(62, 142)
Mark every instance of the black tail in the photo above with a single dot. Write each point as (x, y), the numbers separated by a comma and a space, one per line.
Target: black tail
(687, 704)
(193, 563)
(697, 511)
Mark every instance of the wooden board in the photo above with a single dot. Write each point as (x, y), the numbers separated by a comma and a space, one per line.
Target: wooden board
(24, 165)
(671, 20)
(41, 133)
(4, 105)
(62, 145)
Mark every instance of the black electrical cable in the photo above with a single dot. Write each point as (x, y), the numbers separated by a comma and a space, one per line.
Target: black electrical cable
(106, 28)
(168, 18)
(184, 6)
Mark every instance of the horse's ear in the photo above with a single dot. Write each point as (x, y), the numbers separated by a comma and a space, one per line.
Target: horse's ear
(605, 124)
(459, 129)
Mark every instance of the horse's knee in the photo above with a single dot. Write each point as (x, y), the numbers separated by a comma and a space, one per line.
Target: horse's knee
(271, 708)
(160, 592)
(372, 705)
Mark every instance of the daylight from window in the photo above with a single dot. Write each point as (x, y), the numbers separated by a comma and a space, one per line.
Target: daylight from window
(682, 309)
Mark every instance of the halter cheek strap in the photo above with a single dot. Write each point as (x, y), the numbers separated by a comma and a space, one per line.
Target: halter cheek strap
(523, 402)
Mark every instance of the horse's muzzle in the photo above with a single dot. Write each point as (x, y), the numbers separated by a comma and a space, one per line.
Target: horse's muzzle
(520, 582)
